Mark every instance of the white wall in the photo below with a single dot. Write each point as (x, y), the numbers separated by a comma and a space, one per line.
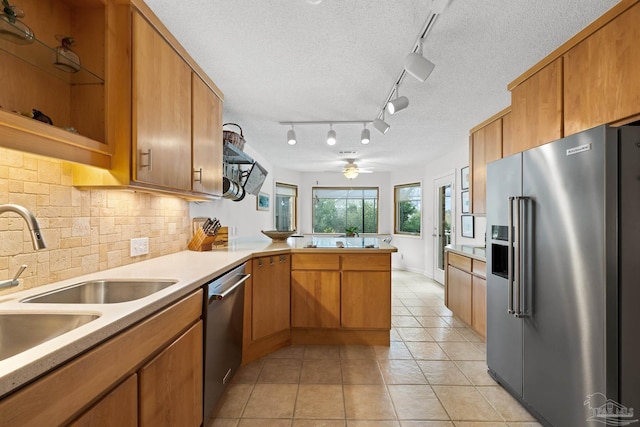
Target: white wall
(242, 218)
(416, 253)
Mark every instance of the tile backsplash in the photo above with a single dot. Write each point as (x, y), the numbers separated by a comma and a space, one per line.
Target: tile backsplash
(85, 230)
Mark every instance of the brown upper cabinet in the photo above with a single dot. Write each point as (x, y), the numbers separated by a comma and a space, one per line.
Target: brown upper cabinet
(139, 113)
(34, 77)
(168, 124)
(590, 80)
(602, 75)
(486, 145)
(536, 109)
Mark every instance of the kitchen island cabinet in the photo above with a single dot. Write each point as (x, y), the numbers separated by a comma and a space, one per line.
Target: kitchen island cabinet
(78, 388)
(466, 286)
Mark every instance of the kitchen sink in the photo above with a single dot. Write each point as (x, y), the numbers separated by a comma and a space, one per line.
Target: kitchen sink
(102, 292)
(21, 331)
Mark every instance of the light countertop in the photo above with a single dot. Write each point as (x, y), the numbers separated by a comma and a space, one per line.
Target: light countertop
(190, 269)
(475, 252)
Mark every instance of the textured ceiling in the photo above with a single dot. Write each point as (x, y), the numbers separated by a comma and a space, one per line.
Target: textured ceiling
(289, 60)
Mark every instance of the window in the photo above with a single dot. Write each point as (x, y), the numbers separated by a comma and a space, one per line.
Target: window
(285, 207)
(408, 208)
(336, 209)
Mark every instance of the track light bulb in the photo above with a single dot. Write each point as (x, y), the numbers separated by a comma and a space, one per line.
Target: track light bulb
(380, 125)
(291, 137)
(331, 136)
(397, 104)
(417, 65)
(365, 135)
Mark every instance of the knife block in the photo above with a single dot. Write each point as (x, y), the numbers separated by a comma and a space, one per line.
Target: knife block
(201, 241)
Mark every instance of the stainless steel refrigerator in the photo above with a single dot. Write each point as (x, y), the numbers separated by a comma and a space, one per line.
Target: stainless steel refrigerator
(563, 290)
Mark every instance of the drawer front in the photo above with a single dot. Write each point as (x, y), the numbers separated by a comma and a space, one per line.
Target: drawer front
(479, 268)
(459, 261)
(315, 262)
(363, 262)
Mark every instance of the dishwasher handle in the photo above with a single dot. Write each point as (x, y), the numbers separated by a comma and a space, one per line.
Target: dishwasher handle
(230, 289)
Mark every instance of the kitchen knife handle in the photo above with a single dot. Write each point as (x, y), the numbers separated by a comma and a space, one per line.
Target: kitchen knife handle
(199, 172)
(510, 257)
(149, 159)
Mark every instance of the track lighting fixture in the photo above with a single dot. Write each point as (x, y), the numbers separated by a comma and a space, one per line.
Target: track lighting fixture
(380, 125)
(331, 136)
(417, 65)
(291, 136)
(365, 135)
(397, 104)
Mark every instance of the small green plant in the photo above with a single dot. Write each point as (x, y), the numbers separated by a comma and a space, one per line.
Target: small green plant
(351, 231)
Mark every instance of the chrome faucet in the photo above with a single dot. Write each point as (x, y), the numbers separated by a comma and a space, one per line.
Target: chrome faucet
(34, 227)
(36, 237)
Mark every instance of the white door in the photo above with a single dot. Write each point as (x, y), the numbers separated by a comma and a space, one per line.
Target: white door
(443, 231)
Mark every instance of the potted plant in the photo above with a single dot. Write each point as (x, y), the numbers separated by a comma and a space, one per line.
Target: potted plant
(351, 231)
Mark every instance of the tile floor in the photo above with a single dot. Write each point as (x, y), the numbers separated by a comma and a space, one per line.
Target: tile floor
(433, 374)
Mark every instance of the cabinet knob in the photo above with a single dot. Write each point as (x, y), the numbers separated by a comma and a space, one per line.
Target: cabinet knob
(259, 262)
(149, 159)
(271, 262)
(199, 172)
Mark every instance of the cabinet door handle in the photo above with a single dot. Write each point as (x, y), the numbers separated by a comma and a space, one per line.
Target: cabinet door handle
(271, 262)
(259, 262)
(199, 172)
(149, 160)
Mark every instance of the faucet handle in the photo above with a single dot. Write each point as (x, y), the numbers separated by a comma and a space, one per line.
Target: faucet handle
(21, 270)
(14, 281)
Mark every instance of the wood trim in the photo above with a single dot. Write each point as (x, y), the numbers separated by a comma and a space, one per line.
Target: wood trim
(603, 20)
(40, 403)
(262, 347)
(339, 337)
(626, 121)
(493, 118)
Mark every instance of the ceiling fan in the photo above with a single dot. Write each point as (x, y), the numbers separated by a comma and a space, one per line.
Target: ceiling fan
(351, 169)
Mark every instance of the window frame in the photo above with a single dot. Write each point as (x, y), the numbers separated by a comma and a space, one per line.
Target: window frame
(294, 215)
(396, 226)
(377, 206)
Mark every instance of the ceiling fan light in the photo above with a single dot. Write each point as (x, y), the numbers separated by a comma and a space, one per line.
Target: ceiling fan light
(365, 136)
(331, 137)
(381, 126)
(397, 104)
(351, 172)
(291, 137)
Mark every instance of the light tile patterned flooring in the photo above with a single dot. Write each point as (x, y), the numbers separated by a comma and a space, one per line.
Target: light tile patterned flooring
(433, 374)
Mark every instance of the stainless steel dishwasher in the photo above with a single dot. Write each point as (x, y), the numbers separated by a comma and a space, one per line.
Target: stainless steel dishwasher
(224, 306)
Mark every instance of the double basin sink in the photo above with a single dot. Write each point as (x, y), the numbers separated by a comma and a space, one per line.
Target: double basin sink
(22, 331)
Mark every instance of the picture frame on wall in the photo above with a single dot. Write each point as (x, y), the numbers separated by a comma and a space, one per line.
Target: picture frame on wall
(467, 226)
(464, 178)
(465, 202)
(262, 201)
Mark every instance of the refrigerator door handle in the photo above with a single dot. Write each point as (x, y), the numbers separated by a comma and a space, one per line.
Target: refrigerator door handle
(518, 261)
(510, 277)
(518, 256)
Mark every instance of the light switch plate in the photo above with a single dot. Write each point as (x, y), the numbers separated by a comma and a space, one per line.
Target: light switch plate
(139, 246)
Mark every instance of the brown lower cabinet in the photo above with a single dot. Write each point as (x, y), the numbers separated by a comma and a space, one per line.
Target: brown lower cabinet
(149, 374)
(466, 291)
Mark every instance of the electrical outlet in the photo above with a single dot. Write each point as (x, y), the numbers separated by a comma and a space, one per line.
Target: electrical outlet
(139, 246)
